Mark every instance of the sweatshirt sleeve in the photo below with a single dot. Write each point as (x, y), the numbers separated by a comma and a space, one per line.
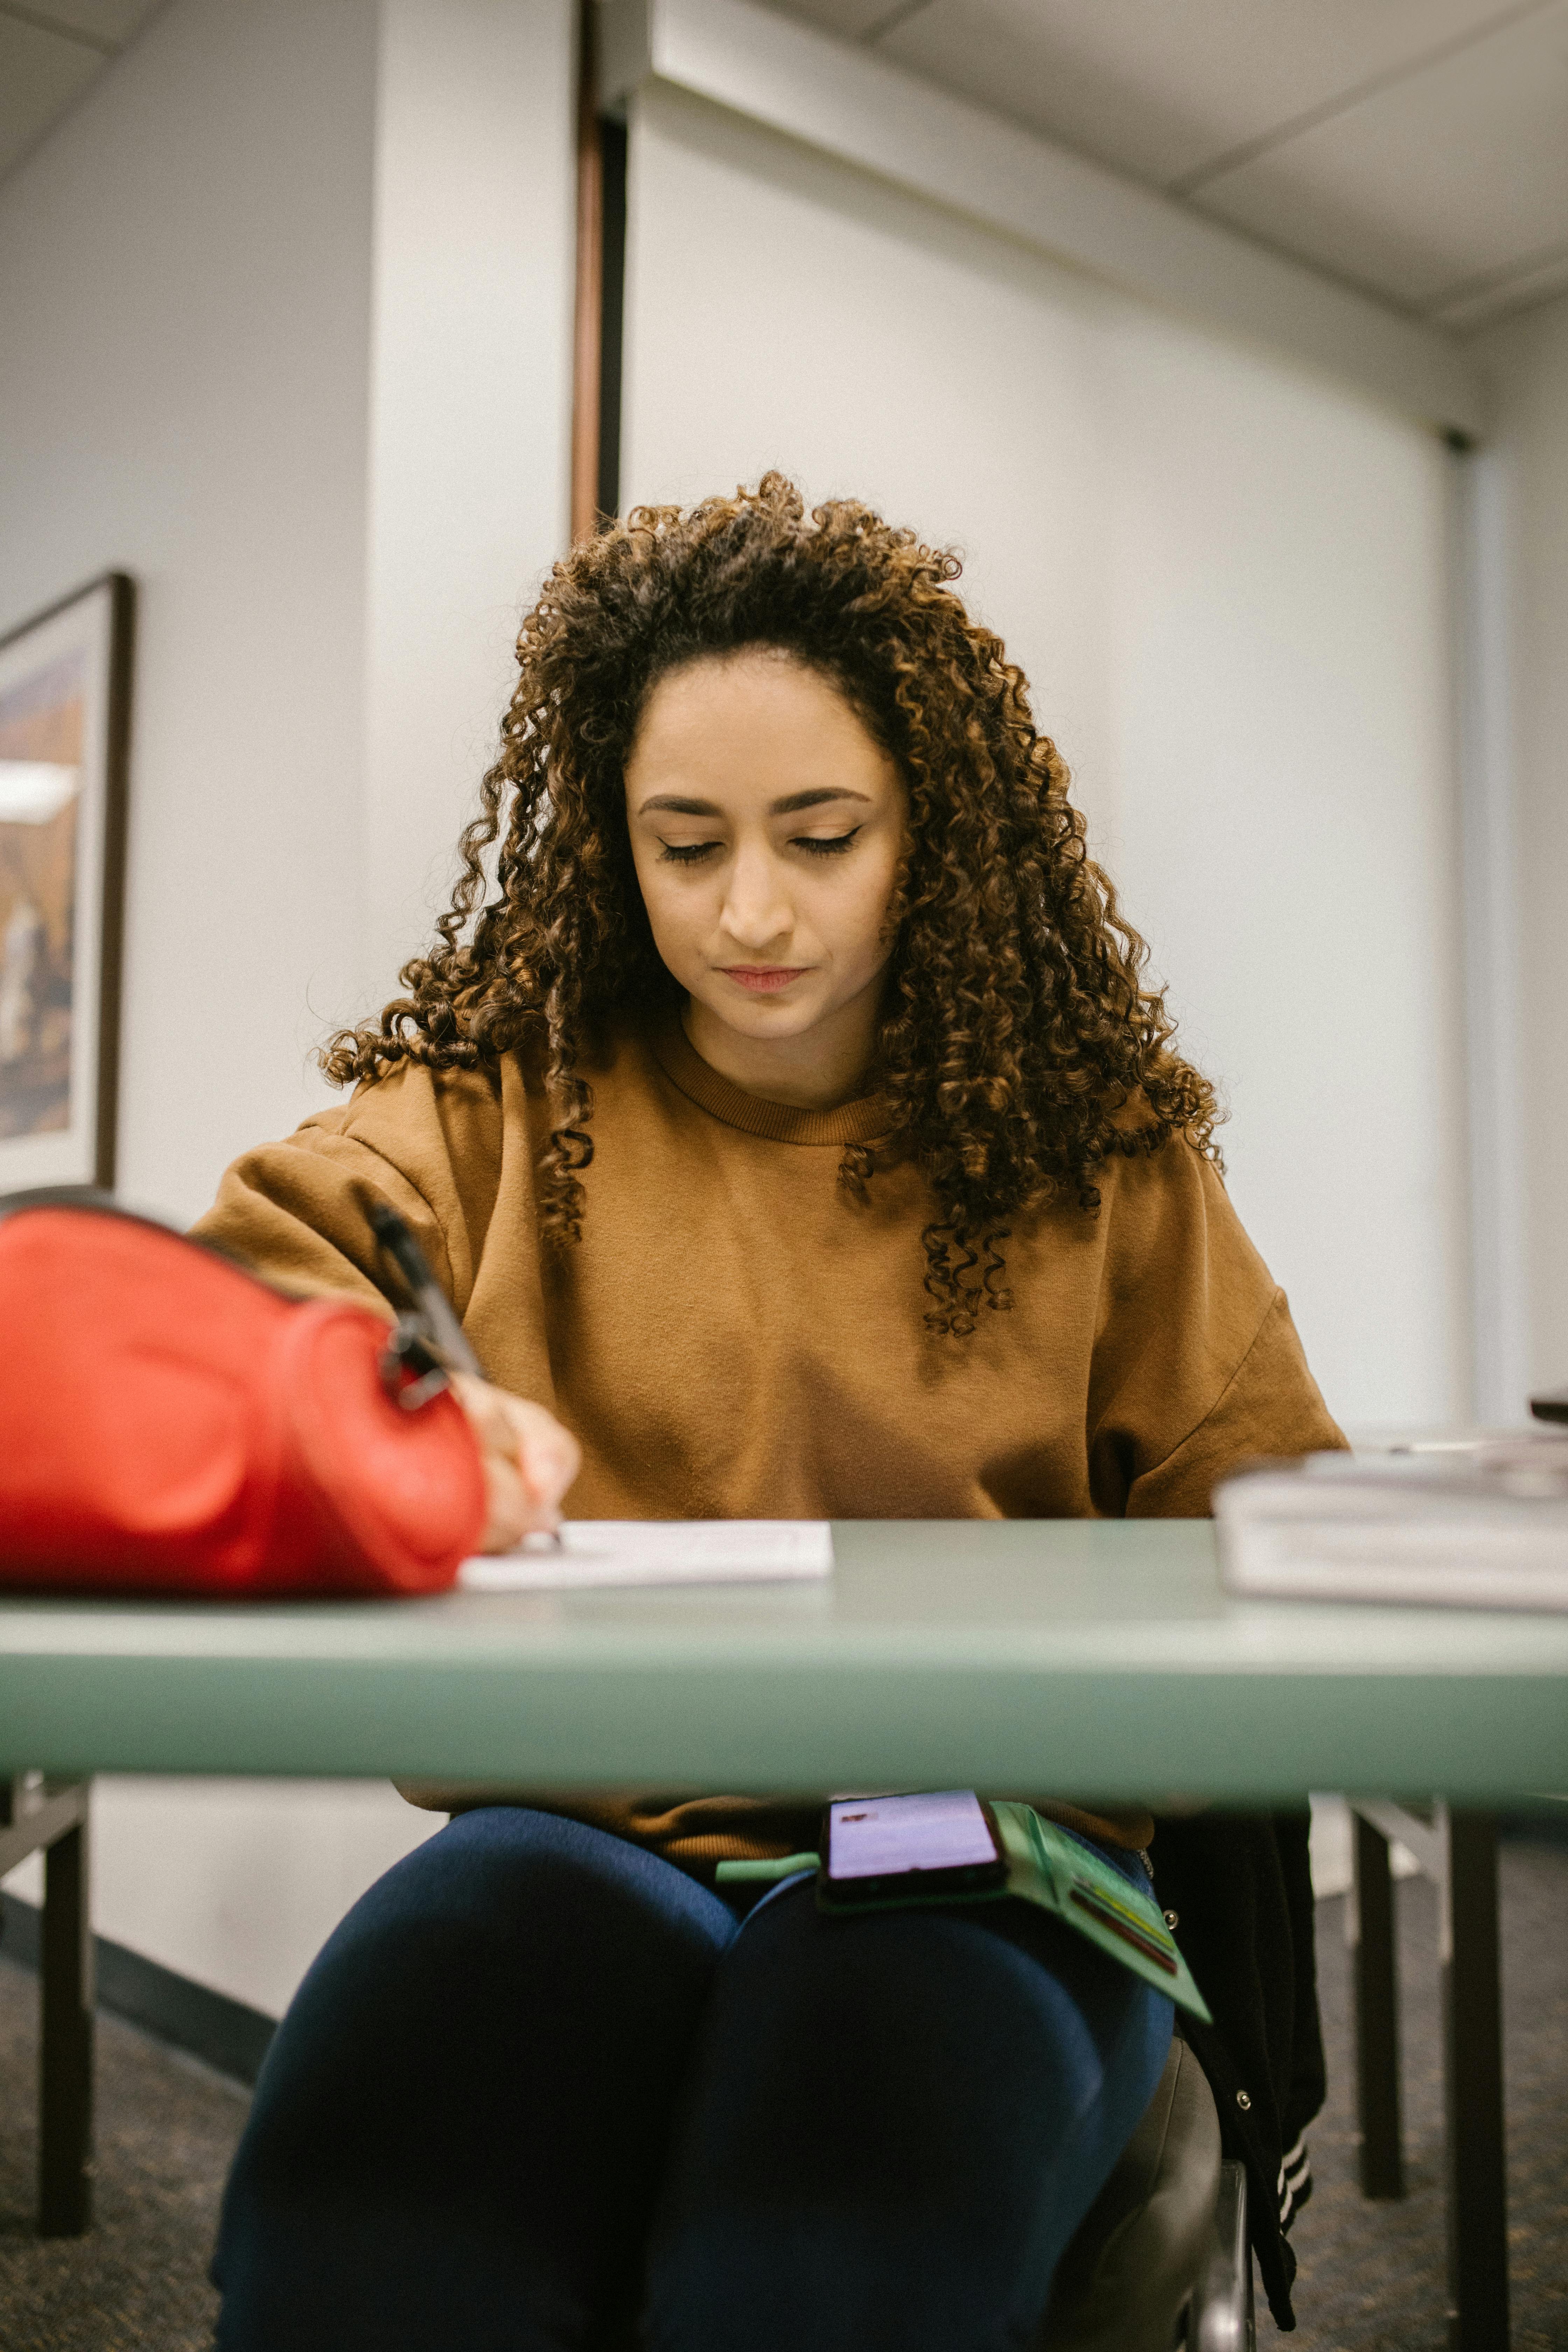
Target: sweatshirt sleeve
(1271, 1404)
(1197, 1366)
(297, 1211)
(452, 1152)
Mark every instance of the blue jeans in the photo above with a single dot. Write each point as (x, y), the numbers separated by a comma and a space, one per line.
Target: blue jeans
(541, 2088)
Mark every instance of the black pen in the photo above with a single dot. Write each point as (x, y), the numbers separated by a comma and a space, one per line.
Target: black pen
(442, 1332)
(448, 1340)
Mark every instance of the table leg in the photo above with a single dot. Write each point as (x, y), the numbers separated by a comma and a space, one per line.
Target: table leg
(1472, 2032)
(1377, 2016)
(65, 2102)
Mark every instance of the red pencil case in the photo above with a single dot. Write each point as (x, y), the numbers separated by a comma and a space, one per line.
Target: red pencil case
(171, 1424)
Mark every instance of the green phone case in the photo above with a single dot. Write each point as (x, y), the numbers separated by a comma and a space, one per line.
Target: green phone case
(1047, 1867)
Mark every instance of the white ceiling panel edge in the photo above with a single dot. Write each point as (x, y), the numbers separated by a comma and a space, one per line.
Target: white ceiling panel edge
(871, 113)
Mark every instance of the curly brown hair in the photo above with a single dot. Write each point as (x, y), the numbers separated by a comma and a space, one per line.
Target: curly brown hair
(1018, 1047)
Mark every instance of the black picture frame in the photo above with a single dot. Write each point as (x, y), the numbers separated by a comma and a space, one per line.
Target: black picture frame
(64, 742)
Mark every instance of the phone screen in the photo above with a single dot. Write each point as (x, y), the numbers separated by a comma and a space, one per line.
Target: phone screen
(885, 1837)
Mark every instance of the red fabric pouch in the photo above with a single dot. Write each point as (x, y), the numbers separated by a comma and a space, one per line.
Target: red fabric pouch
(169, 1423)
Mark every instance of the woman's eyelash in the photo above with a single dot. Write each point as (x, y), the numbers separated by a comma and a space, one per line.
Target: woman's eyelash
(693, 852)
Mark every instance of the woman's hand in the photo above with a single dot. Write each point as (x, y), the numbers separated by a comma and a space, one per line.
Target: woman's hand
(530, 1461)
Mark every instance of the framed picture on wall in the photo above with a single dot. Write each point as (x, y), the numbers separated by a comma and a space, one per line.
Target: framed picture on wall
(65, 714)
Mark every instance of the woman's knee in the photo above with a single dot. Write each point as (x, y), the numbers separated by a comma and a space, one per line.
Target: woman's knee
(461, 1982)
(502, 1896)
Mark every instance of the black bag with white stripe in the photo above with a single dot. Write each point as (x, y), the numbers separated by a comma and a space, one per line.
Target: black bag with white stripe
(1241, 1887)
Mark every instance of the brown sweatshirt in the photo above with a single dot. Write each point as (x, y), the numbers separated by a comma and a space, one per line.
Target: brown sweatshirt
(736, 1337)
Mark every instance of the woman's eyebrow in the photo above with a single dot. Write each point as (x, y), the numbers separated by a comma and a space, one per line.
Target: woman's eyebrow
(677, 804)
(793, 801)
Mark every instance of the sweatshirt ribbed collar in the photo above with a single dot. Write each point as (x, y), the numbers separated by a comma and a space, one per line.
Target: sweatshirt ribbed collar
(851, 1122)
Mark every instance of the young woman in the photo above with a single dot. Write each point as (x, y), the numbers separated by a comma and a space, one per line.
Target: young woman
(792, 1129)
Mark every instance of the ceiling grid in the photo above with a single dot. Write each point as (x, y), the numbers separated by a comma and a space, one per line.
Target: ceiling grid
(1417, 151)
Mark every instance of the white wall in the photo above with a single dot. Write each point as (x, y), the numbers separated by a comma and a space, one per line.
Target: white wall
(1287, 833)
(1226, 581)
(470, 410)
(1523, 497)
(184, 278)
(286, 307)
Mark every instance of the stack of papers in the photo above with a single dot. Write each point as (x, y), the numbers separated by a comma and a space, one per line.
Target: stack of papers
(1482, 1523)
(658, 1551)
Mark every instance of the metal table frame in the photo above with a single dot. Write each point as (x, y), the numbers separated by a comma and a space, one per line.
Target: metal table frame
(1457, 1850)
(35, 1813)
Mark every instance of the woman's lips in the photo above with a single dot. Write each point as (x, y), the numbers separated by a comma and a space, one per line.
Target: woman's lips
(763, 979)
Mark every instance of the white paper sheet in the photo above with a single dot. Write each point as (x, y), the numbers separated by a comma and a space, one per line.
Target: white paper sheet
(658, 1551)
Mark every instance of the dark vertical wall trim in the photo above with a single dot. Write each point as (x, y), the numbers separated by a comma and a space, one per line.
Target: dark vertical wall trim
(612, 309)
(586, 433)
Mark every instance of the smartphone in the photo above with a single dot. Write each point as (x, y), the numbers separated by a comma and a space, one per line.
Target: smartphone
(880, 1847)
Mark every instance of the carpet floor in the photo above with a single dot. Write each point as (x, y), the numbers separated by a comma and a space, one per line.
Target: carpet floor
(1371, 2277)
(166, 2130)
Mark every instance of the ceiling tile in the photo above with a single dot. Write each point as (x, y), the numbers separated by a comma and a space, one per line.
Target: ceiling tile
(1160, 88)
(40, 73)
(1482, 306)
(1446, 176)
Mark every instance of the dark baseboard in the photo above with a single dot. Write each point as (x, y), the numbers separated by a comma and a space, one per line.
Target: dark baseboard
(227, 2034)
(1545, 1823)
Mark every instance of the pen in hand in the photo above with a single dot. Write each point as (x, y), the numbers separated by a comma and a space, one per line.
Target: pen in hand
(440, 1332)
(442, 1326)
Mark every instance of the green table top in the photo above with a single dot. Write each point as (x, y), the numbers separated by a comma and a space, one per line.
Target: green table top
(1096, 1658)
